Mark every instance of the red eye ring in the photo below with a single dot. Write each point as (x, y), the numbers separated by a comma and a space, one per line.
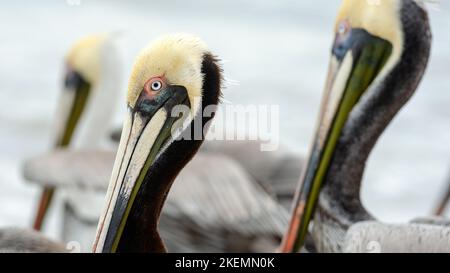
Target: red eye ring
(154, 85)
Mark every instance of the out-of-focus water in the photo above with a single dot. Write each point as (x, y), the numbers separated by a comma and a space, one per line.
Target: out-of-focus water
(276, 50)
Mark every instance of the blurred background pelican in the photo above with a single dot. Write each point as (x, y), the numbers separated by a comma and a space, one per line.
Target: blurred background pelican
(405, 175)
(375, 68)
(86, 106)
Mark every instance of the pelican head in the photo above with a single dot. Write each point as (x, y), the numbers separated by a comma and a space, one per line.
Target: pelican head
(91, 80)
(378, 57)
(174, 71)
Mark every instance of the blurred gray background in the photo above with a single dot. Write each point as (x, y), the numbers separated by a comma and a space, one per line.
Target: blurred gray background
(277, 51)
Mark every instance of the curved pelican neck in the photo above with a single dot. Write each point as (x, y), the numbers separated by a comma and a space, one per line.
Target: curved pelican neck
(370, 117)
(141, 230)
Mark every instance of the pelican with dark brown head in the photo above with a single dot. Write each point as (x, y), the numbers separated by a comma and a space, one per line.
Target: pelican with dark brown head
(174, 73)
(379, 55)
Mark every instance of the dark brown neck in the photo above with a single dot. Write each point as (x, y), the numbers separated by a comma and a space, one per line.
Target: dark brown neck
(372, 115)
(141, 230)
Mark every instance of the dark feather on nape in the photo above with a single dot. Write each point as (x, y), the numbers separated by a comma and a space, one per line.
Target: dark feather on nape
(213, 79)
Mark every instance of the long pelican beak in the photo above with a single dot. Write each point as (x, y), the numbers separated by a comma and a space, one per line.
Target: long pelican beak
(357, 58)
(70, 108)
(146, 133)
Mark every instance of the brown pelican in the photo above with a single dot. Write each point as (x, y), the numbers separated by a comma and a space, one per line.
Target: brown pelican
(91, 86)
(85, 85)
(380, 53)
(156, 144)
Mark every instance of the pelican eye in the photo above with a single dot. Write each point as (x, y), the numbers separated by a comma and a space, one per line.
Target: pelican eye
(156, 85)
(342, 42)
(342, 29)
